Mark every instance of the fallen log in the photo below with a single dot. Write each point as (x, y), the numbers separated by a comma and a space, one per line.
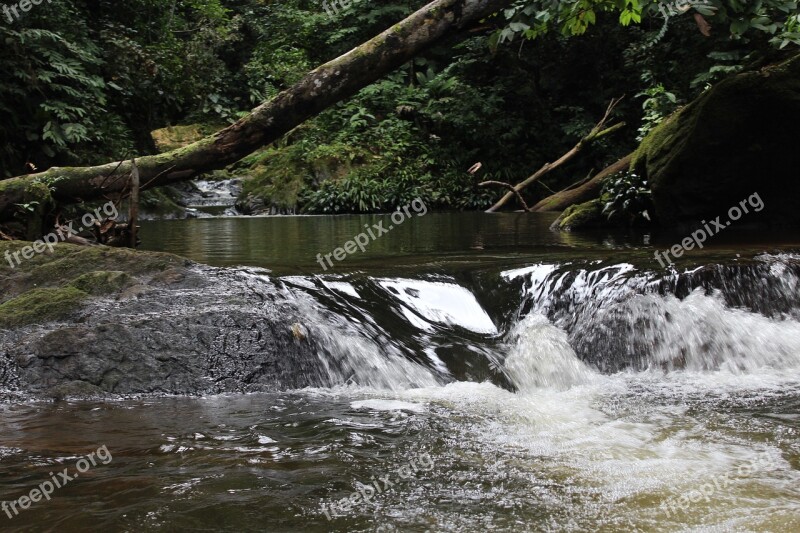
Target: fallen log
(322, 87)
(600, 130)
(585, 192)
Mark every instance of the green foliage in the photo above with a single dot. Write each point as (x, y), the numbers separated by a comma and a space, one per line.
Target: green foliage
(533, 18)
(658, 104)
(790, 32)
(88, 82)
(53, 102)
(29, 207)
(724, 63)
(626, 198)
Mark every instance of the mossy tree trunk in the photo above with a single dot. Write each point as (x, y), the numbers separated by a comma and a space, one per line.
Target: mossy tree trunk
(322, 87)
(586, 191)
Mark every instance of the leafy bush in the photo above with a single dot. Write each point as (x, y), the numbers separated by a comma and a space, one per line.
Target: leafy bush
(658, 104)
(626, 199)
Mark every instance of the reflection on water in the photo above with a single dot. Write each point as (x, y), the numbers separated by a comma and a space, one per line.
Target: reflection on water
(291, 242)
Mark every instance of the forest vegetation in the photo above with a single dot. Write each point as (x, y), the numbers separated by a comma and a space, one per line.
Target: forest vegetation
(87, 82)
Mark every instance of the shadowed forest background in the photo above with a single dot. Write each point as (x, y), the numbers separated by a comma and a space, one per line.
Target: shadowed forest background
(87, 82)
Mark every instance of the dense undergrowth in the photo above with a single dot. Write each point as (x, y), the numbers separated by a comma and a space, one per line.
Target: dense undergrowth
(85, 82)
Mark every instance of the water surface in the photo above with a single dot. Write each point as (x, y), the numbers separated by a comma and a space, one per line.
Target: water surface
(499, 377)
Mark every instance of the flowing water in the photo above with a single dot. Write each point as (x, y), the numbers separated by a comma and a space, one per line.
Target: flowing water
(481, 374)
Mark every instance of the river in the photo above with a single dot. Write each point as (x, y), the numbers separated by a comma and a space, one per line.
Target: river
(483, 374)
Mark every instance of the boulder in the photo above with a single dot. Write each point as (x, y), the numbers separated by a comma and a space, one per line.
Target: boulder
(90, 321)
(583, 216)
(739, 138)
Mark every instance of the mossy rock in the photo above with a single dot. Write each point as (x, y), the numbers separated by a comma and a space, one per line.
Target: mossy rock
(581, 216)
(275, 179)
(738, 138)
(78, 266)
(102, 282)
(40, 305)
(174, 137)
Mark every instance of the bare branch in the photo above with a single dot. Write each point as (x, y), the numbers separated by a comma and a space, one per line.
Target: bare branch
(599, 130)
(507, 186)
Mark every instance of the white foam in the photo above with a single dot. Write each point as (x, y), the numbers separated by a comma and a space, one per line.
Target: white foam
(444, 303)
(343, 287)
(388, 405)
(542, 357)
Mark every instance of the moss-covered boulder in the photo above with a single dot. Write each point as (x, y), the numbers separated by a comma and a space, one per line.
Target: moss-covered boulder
(53, 285)
(90, 321)
(40, 305)
(581, 216)
(739, 138)
(174, 137)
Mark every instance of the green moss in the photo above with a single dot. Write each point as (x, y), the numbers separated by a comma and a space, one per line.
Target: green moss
(666, 138)
(51, 285)
(11, 185)
(581, 216)
(39, 305)
(174, 137)
(68, 262)
(102, 282)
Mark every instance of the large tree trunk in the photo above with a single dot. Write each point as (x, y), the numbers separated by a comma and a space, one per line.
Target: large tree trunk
(583, 193)
(319, 89)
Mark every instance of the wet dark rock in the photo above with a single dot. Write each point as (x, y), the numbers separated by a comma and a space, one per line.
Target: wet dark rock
(165, 326)
(738, 138)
